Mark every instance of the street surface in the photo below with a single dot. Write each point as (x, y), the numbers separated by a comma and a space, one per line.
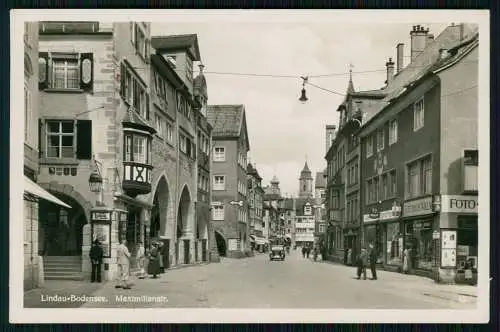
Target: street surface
(294, 283)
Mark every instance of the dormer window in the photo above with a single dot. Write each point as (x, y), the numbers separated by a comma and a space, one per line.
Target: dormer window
(172, 60)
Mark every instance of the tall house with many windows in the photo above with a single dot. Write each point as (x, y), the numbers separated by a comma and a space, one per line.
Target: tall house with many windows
(420, 158)
(229, 169)
(342, 175)
(255, 197)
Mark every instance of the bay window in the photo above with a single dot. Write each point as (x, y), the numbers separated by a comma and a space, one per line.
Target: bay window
(137, 148)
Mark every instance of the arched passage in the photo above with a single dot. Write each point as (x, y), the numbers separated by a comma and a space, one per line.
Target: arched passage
(60, 230)
(183, 212)
(221, 244)
(159, 211)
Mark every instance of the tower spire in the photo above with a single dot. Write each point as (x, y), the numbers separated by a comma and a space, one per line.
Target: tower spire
(350, 86)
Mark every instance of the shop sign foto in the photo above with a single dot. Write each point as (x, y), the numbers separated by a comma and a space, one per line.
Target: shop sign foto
(459, 203)
(417, 207)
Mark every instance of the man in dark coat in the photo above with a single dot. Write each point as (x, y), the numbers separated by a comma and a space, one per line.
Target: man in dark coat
(96, 255)
(373, 261)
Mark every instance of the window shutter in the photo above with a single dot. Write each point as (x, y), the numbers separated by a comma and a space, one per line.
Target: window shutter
(86, 71)
(40, 136)
(147, 107)
(84, 139)
(122, 80)
(43, 70)
(136, 33)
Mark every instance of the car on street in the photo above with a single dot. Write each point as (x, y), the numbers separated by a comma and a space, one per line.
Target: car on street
(277, 252)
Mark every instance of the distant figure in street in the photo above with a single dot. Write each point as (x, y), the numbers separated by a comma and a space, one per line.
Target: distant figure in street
(308, 251)
(161, 268)
(373, 261)
(304, 252)
(362, 262)
(407, 260)
(154, 263)
(141, 260)
(123, 261)
(96, 254)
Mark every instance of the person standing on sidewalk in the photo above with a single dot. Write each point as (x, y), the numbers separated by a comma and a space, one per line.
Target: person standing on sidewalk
(96, 254)
(154, 264)
(361, 262)
(373, 261)
(123, 261)
(141, 260)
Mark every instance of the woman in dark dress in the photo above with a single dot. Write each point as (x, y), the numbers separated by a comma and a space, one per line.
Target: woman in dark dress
(154, 261)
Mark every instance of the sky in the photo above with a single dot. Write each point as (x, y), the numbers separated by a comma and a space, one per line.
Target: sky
(284, 132)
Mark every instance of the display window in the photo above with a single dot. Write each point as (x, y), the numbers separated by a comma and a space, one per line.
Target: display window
(394, 245)
(419, 238)
(373, 234)
(467, 244)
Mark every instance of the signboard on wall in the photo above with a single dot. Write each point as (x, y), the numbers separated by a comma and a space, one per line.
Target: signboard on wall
(417, 207)
(448, 248)
(232, 244)
(102, 233)
(459, 204)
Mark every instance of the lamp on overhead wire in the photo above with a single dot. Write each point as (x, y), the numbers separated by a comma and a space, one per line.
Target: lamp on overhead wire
(303, 97)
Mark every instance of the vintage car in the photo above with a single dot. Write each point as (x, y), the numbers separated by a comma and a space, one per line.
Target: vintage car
(277, 252)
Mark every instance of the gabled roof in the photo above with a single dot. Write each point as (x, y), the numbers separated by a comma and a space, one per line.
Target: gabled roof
(178, 42)
(227, 121)
(320, 180)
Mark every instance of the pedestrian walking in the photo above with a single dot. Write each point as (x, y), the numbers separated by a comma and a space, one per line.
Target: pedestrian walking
(161, 256)
(123, 261)
(141, 260)
(407, 260)
(154, 264)
(308, 251)
(304, 252)
(362, 262)
(373, 261)
(96, 254)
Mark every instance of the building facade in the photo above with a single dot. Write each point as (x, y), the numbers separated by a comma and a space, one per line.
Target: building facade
(343, 165)
(229, 167)
(256, 200)
(420, 197)
(118, 116)
(304, 221)
(320, 223)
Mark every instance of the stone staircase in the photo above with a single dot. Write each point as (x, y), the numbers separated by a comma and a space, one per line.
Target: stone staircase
(62, 267)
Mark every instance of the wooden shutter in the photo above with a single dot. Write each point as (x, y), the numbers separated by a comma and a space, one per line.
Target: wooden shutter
(43, 70)
(40, 138)
(147, 106)
(86, 71)
(84, 139)
(122, 80)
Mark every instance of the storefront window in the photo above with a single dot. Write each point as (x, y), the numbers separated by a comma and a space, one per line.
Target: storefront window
(467, 239)
(420, 239)
(394, 244)
(373, 235)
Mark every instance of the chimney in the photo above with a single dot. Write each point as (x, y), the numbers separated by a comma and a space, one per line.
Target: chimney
(430, 39)
(399, 57)
(418, 40)
(390, 71)
(330, 135)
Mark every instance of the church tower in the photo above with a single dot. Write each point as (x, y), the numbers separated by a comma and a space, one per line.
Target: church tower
(275, 186)
(306, 183)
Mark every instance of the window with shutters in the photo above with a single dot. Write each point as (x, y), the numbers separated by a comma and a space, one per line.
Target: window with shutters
(65, 71)
(470, 170)
(133, 91)
(140, 40)
(67, 139)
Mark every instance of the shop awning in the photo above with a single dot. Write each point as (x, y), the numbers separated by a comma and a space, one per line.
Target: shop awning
(34, 189)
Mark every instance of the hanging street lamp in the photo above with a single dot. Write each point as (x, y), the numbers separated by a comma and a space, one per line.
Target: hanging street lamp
(303, 97)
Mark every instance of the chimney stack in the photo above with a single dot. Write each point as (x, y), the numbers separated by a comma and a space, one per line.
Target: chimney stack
(399, 57)
(330, 135)
(390, 71)
(430, 39)
(418, 40)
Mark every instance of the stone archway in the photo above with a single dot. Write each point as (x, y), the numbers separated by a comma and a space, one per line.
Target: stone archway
(221, 244)
(60, 229)
(159, 212)
(183, 212)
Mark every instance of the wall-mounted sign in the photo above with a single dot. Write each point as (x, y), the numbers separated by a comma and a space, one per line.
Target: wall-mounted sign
(102, 232)
(216, 203)
(459, 203)
(448, 248)
(417, 207)
(449, 239)
(448, 258)
(101, 215)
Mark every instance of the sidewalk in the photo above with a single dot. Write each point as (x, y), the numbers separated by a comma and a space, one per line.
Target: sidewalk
(424, 286)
